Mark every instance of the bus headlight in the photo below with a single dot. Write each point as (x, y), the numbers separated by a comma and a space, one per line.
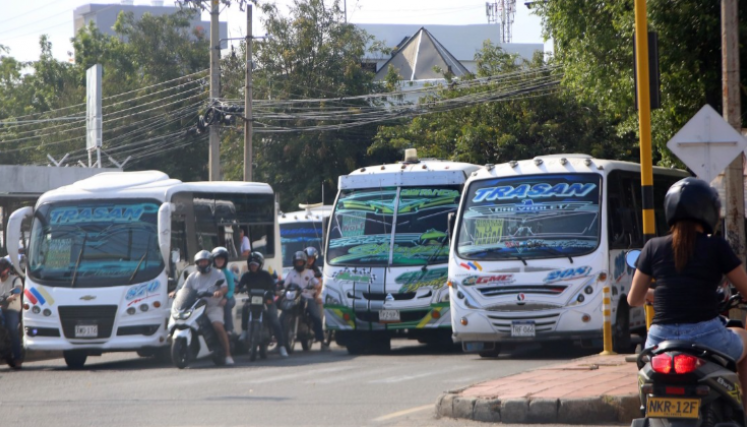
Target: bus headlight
(36, 309)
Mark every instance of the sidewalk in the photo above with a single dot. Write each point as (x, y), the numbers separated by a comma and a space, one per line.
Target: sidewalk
(591, 390)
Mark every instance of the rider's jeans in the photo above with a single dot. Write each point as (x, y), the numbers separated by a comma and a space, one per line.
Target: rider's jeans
(711, 333)
(227, 314)
(12, 319)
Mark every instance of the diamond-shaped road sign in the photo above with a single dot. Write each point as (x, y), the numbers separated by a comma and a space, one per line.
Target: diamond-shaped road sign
(707, 144)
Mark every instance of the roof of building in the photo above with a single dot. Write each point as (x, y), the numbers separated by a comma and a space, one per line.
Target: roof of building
(463, 41)
(416, 59)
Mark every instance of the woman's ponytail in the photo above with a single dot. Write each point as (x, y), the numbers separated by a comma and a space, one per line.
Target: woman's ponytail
(684, 233)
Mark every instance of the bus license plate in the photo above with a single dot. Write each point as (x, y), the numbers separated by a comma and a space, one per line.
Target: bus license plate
(522, 328)
(665, 407)
(86, 331)
(388, 315)
(257, 300)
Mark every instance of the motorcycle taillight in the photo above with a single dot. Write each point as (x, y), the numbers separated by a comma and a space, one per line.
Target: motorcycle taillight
(684, 363)
(662, 363)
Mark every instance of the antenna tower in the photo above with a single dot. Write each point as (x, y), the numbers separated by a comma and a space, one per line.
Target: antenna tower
(503, 12)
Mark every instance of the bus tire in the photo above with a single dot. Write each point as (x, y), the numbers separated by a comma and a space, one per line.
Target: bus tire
(357, 346)
(621, 329)
(75, 359)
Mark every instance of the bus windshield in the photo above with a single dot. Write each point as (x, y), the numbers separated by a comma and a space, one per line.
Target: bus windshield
(534, 216)
(94, 244)
(364, 219)
(297, 236)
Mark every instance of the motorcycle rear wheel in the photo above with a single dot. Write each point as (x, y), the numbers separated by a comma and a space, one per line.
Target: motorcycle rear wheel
(180, 353)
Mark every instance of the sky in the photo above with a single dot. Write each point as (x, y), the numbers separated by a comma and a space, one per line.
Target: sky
(23, 22)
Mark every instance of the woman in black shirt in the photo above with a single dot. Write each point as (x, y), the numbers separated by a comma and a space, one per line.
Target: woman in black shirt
(688, 266)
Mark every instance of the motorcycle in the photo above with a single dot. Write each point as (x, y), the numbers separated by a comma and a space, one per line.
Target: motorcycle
(258, 334)
(6, 352)
(298, 327)
(192, 334)
(682, 383)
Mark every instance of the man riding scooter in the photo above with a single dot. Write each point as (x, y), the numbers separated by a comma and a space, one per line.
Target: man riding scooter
(303, 279)
(257, 278)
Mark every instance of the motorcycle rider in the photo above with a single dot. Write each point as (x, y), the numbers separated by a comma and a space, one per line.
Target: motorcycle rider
(203, 280)
(688, 266)
(220, 261)
(312, 254)
(13, 285)
(302, 278)
(257, 278)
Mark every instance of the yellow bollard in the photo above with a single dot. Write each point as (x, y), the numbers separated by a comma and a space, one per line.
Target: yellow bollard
(649, 309)
(607, 326)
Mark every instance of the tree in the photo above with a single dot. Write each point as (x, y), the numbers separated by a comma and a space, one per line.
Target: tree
(594, 42)
(514, 129)
(311, 54)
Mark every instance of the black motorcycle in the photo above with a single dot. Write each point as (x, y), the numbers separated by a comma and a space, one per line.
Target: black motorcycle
(681, 383)
(298, 327)
(258, 333)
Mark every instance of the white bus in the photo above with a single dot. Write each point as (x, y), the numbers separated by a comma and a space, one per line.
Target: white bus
(301, 229)
(386, 253)
(104, 252)
(534, 243)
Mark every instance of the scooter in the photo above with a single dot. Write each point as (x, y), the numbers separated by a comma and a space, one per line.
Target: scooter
(299, 326)
(258, 334)
(192, 334)
(682, 383)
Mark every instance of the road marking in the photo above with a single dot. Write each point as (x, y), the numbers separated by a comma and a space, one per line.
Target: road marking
(351, 376)
(404, 412)
(399, 379)
(299, 374)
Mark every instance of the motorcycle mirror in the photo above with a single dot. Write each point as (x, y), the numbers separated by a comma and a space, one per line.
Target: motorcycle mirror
(632, 257)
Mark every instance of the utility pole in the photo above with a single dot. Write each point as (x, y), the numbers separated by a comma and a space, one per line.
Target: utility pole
(732, 112)
(248, 156)
(214, 131)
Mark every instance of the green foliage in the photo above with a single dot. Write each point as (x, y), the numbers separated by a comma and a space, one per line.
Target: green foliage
(555, 122)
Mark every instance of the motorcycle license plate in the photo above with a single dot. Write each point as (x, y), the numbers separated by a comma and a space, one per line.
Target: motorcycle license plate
(667, 407)
(388, 315)
(257, 300)
(522, 328)
(86, 331)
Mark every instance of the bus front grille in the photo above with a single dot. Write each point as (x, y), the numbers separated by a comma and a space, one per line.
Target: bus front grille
(542, 322)
(100, 315)
(524, 289)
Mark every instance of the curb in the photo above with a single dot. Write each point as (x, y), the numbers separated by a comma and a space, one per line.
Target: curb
(594, 410)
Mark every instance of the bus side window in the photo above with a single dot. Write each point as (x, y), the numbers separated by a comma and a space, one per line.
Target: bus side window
(205, 225)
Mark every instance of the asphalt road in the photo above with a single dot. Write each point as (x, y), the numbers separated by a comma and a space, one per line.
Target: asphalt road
(307, 389)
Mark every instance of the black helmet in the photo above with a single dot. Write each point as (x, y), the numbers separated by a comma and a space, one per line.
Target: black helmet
(220, 252)
(693, 199)
(200, 256)
(5, 264)
(299, 256)
(255, 258)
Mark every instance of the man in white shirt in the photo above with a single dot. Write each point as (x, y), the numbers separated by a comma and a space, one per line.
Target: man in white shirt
(246, 247)
(11, 287)
(303, 279)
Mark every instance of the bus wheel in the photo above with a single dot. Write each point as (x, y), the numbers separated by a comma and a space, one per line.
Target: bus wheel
(621, 329)
(75, 359)
(357, 346)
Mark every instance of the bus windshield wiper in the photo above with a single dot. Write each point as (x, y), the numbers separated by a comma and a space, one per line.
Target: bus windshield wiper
(557, 252)
(503, 255)
(137, 268)
(77, 262)
(434, 255)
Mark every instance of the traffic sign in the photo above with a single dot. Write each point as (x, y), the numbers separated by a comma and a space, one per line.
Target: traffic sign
(707, 144)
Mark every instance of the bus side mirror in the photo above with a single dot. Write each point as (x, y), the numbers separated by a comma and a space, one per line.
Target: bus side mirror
(451, 223)
(14, 234)
(632, 257)
(164, 230)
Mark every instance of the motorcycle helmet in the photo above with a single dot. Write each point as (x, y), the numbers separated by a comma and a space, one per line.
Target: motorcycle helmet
(693, 199)
(255, 258)
(203, 255)
(311, 252)
(5, 264)
(220, 252)
(299, 261)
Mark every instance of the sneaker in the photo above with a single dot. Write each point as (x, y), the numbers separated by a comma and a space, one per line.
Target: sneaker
(229, 360)
(283, 352)
(325, 346)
